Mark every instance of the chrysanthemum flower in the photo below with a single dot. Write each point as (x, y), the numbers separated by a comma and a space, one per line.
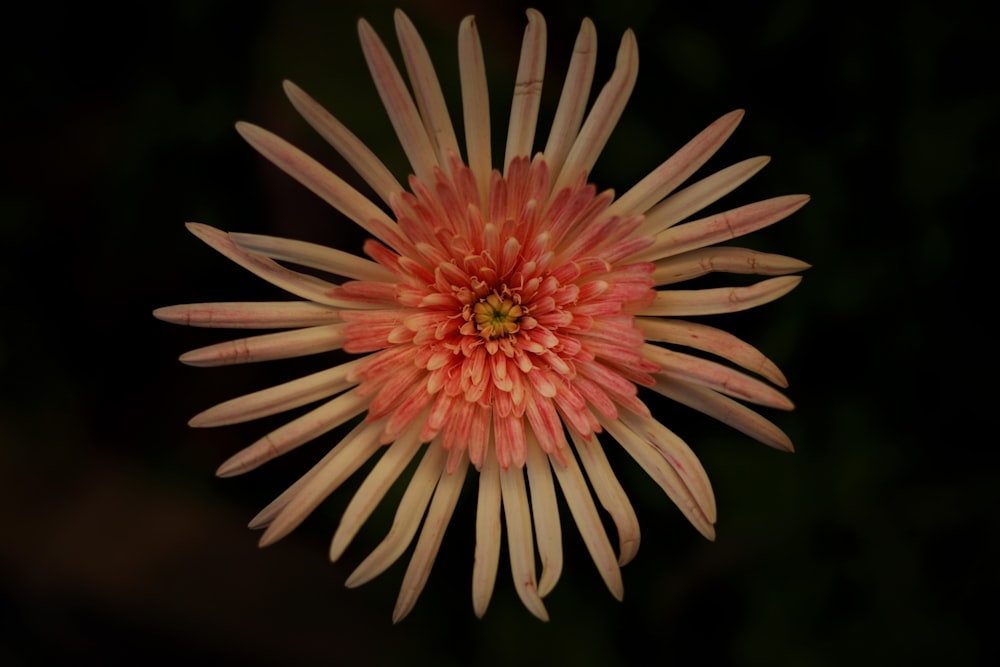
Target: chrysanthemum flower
(503, 319)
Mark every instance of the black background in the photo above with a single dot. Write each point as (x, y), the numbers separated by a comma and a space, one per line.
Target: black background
(876, 542)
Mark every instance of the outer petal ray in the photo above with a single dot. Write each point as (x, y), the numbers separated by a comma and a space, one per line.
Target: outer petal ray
(684, 303)
(604, 115)
(573, 100)
(373, 489)
(697, 196)
(517, 514)
(313, 255)
(280, 398)
(404, 526)
(581, 506)
(677, 168)
(438, 515)
(709, 339)
(488, 531)
(527, 91)
(430, 99)
(359, 156)
(397, 101)
(324, 183)
(257, 315)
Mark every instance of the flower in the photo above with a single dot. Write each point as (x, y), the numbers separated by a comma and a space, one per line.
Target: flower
(504, 319)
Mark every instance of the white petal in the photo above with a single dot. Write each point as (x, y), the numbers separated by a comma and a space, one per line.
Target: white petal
(297, 432)
(348, 456)
(268, 347)
(721, 227)
(588, 521)
(438, 515)
(313, 255)
(517, 514)
(697, 196)
(709, 339)
(323, 183)
(423, 79)
(676, 169)
(407, 520)
(299, 284)
(725, 409)
(475, 106)
(249, 314)
(573, 99)
(545, 513)
(373, 489)
(603, 116)
(487, 554)
(398, 104)
(611, 495)
(527, 91)
(266, 515)
(696, 263)
(685, 303)
(280, 398)
(715, 376)
(656, 466)
(352, 149)
(680, 457)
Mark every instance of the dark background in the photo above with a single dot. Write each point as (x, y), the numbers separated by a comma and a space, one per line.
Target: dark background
(876, 542)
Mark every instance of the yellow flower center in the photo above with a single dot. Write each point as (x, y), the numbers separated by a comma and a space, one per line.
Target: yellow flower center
(496, 316)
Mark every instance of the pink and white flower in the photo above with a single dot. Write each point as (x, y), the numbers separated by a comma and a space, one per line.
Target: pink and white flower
(503, 319)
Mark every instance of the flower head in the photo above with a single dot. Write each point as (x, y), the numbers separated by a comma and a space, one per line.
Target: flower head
(503, 319)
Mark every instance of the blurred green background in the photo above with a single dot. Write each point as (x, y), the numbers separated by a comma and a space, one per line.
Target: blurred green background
(875, 543)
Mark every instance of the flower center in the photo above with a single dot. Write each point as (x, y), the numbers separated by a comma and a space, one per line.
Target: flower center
(496, 316)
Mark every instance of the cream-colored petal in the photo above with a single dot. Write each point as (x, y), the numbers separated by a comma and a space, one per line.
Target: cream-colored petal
(676, 169)
(487, 553)
(475, 106)
(715, 376)
(709, 339)
(685, 303)
(373, 489)
(398, 104)
(725, 409)
(249, 315)
(720, 227)
(438, 515)
(728, 259)
(323, 183)
(299, 284)
(517, 515)
(698, 195)
(364, 431)
(656, 466)
(527, 91)
(545, 513)
(588, 521)
(573, 99)
(680, 457)
(268, 347)
(427, 89)
(603, 116)
(352, 149)
(280, 398)
(610, 493)
(313, 255)
(350, 455)
(404, 525)
(297, 432)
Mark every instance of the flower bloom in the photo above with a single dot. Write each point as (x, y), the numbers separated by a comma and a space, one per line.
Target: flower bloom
(502, 319)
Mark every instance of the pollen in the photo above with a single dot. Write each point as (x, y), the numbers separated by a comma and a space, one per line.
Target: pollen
(496, 316)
